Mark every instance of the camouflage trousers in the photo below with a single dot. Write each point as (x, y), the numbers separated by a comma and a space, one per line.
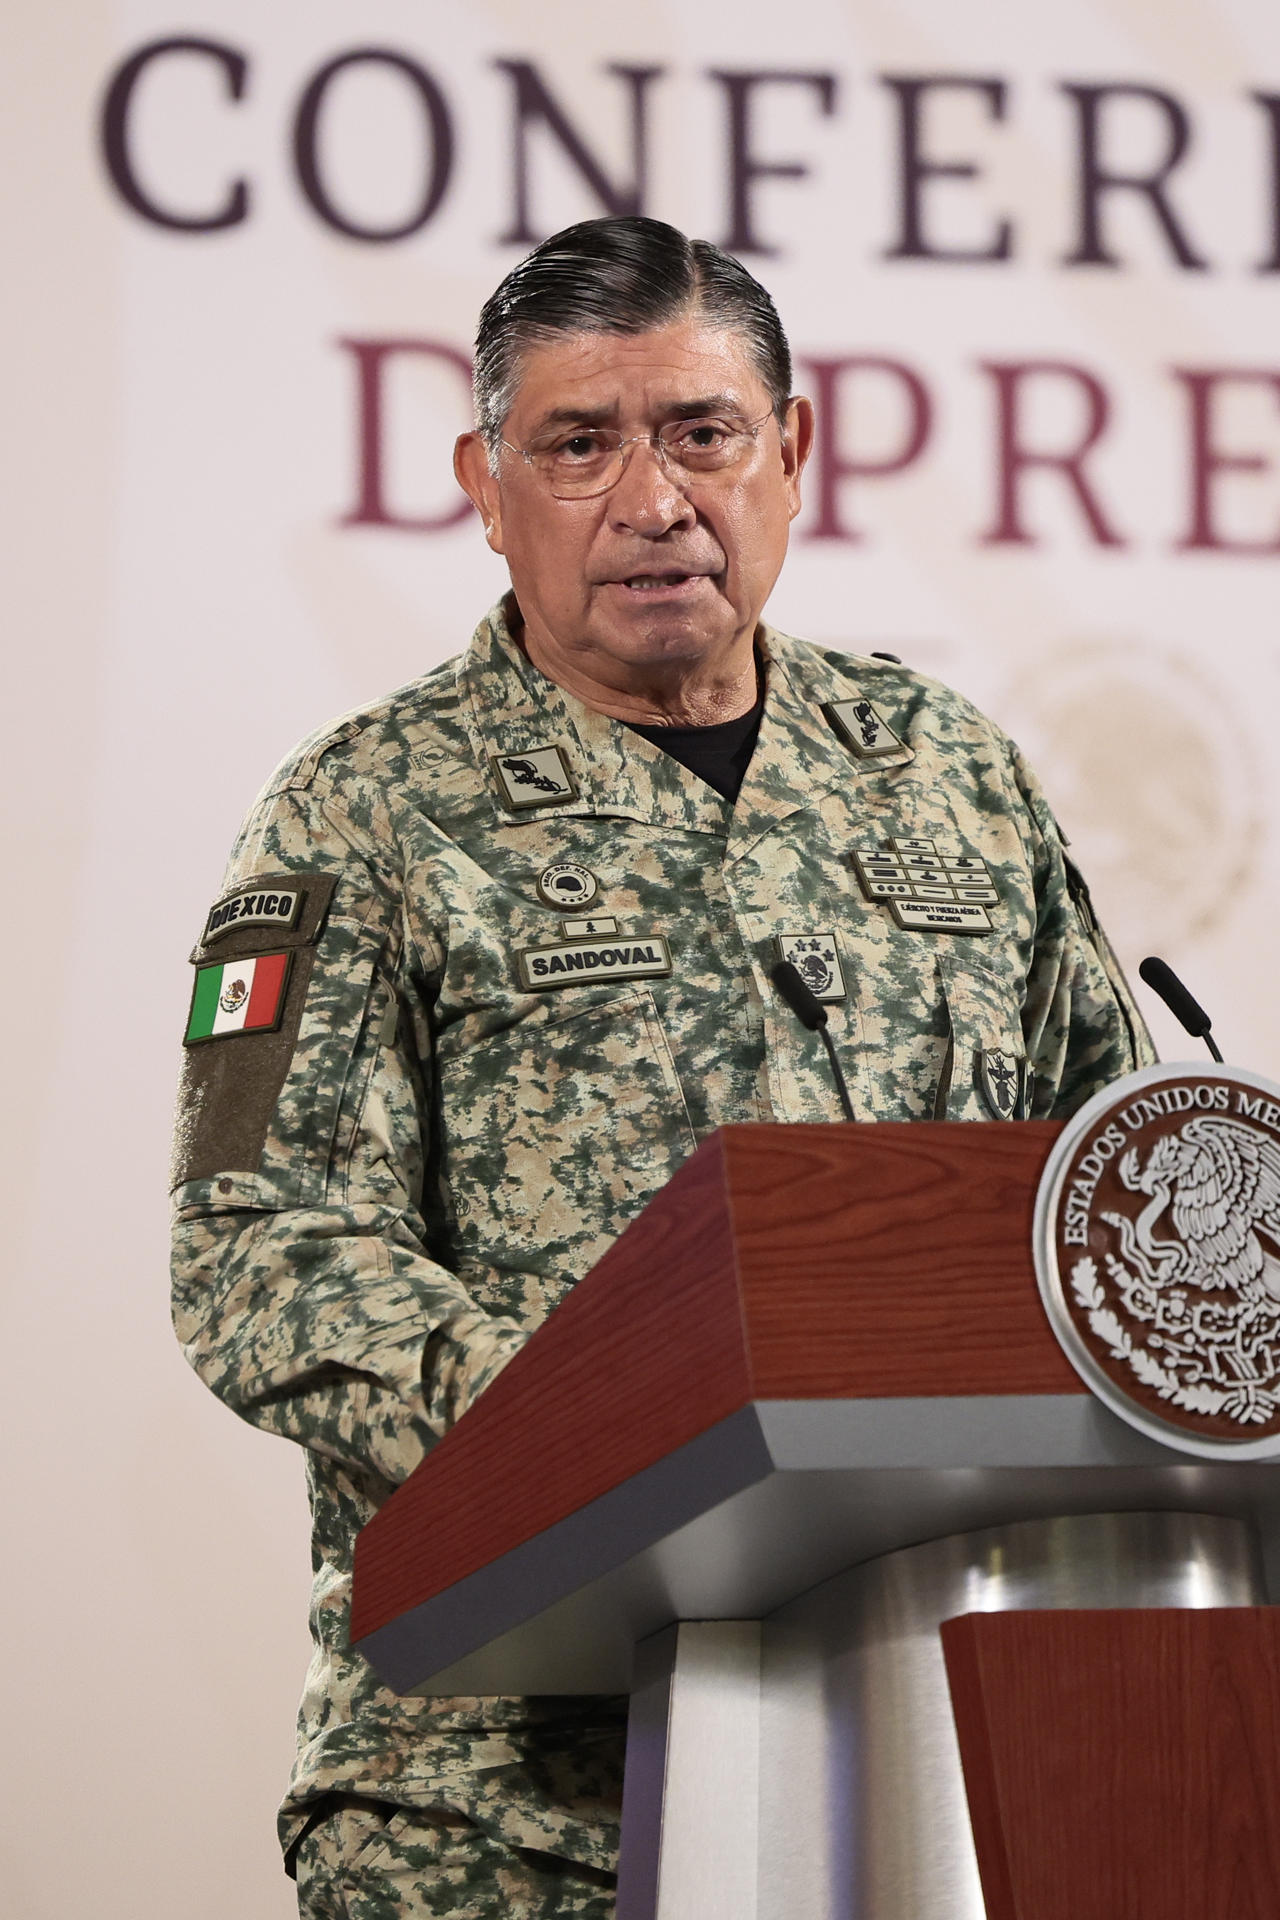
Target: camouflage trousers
(370, 1860)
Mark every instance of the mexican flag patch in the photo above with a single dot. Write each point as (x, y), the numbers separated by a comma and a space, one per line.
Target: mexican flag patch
(238, 996)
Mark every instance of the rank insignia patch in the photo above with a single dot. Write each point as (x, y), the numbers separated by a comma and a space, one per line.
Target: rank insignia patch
(567, 884)
(925, 890)
(642, 957)
(237, 996)
(816, 960)
(584, 929)
(864, 728)
(538, 778)
(1005, 1082)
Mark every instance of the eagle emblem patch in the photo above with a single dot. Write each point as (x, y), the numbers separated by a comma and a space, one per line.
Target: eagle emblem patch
(816, 959)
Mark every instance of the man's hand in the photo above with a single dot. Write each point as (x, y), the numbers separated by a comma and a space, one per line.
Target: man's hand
(462, 1359)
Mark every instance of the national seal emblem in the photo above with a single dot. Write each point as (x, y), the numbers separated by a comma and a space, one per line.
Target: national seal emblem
(1157, 1242)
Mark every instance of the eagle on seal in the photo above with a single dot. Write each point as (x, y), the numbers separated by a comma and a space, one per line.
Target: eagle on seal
(1219, 1180)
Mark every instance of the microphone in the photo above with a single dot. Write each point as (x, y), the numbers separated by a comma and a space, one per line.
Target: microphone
(1162, 979)
(811, 1013)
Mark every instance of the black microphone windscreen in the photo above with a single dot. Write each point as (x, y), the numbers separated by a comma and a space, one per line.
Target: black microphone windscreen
(1162, 979)
(807, 1008)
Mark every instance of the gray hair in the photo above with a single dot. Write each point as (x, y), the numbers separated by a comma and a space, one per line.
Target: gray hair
(619, 275)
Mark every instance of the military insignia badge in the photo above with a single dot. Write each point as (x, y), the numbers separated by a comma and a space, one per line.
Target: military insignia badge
(1005, 1081)
(228, 1095)
(538, 778)
(816, 959)
(927, 890)
(864, 729)
(567, 884)
(1157, 1246)
(585, 929)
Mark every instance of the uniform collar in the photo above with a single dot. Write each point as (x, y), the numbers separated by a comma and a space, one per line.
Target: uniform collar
(515, 709)
(797, 757)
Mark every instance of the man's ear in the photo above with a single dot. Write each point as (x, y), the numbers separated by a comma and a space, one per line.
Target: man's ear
(797, 445)
(471, 467)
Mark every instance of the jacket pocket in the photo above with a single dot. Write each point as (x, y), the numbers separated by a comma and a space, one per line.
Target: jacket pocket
(985, 1014)
(558, 1132)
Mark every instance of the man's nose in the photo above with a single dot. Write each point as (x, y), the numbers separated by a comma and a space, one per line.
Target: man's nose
(646, 498)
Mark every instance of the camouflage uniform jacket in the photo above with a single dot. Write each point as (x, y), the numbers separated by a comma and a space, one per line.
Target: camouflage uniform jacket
(377, 1200)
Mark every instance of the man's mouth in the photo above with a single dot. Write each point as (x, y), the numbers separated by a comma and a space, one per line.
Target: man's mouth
(654, 583)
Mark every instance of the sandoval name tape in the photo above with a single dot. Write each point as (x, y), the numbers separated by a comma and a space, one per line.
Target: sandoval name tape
(643, 957)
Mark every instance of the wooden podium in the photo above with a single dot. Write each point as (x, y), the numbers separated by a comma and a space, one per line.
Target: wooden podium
(810, 1405)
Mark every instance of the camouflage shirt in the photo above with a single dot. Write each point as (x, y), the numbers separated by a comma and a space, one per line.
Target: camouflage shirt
(388, 1175)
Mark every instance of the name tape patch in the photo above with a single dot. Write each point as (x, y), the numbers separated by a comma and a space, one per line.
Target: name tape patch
(270, 908)
(644, 956)
(925, 890)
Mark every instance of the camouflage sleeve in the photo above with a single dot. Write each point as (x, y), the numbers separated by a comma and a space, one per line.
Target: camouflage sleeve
(1082, 1027)
(304, 1291)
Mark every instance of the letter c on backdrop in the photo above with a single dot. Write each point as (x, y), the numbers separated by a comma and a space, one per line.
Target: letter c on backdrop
(115, 135)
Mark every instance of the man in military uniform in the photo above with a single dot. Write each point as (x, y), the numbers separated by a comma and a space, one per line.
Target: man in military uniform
(494, 954)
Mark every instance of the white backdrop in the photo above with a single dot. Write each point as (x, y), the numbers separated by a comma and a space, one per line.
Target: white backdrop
(185, 600)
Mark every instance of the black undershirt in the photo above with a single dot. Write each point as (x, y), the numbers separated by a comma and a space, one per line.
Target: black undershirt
(720, 754)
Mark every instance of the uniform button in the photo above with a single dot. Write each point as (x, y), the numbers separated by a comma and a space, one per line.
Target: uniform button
(224, 1186)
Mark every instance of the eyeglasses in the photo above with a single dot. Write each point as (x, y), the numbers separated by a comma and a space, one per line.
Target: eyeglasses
(585, 461)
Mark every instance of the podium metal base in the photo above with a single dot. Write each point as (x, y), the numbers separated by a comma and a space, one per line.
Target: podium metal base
(805, 1767)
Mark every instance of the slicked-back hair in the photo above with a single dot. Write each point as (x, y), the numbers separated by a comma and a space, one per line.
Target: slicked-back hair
(619, 275)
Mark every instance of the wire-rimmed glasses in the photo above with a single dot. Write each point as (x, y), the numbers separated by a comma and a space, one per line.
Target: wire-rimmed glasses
(579, 462)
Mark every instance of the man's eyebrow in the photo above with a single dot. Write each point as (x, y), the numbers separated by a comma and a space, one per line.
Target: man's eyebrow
(576, 417)
(711, 403)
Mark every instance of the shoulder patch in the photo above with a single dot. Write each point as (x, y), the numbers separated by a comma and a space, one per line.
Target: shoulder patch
(258, 906)
(284, 909)
(238, 996)
(252, 988)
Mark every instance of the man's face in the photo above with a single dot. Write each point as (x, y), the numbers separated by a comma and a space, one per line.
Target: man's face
(665, 570)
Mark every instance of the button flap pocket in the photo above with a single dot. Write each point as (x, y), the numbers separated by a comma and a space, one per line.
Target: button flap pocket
(987, 1076)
